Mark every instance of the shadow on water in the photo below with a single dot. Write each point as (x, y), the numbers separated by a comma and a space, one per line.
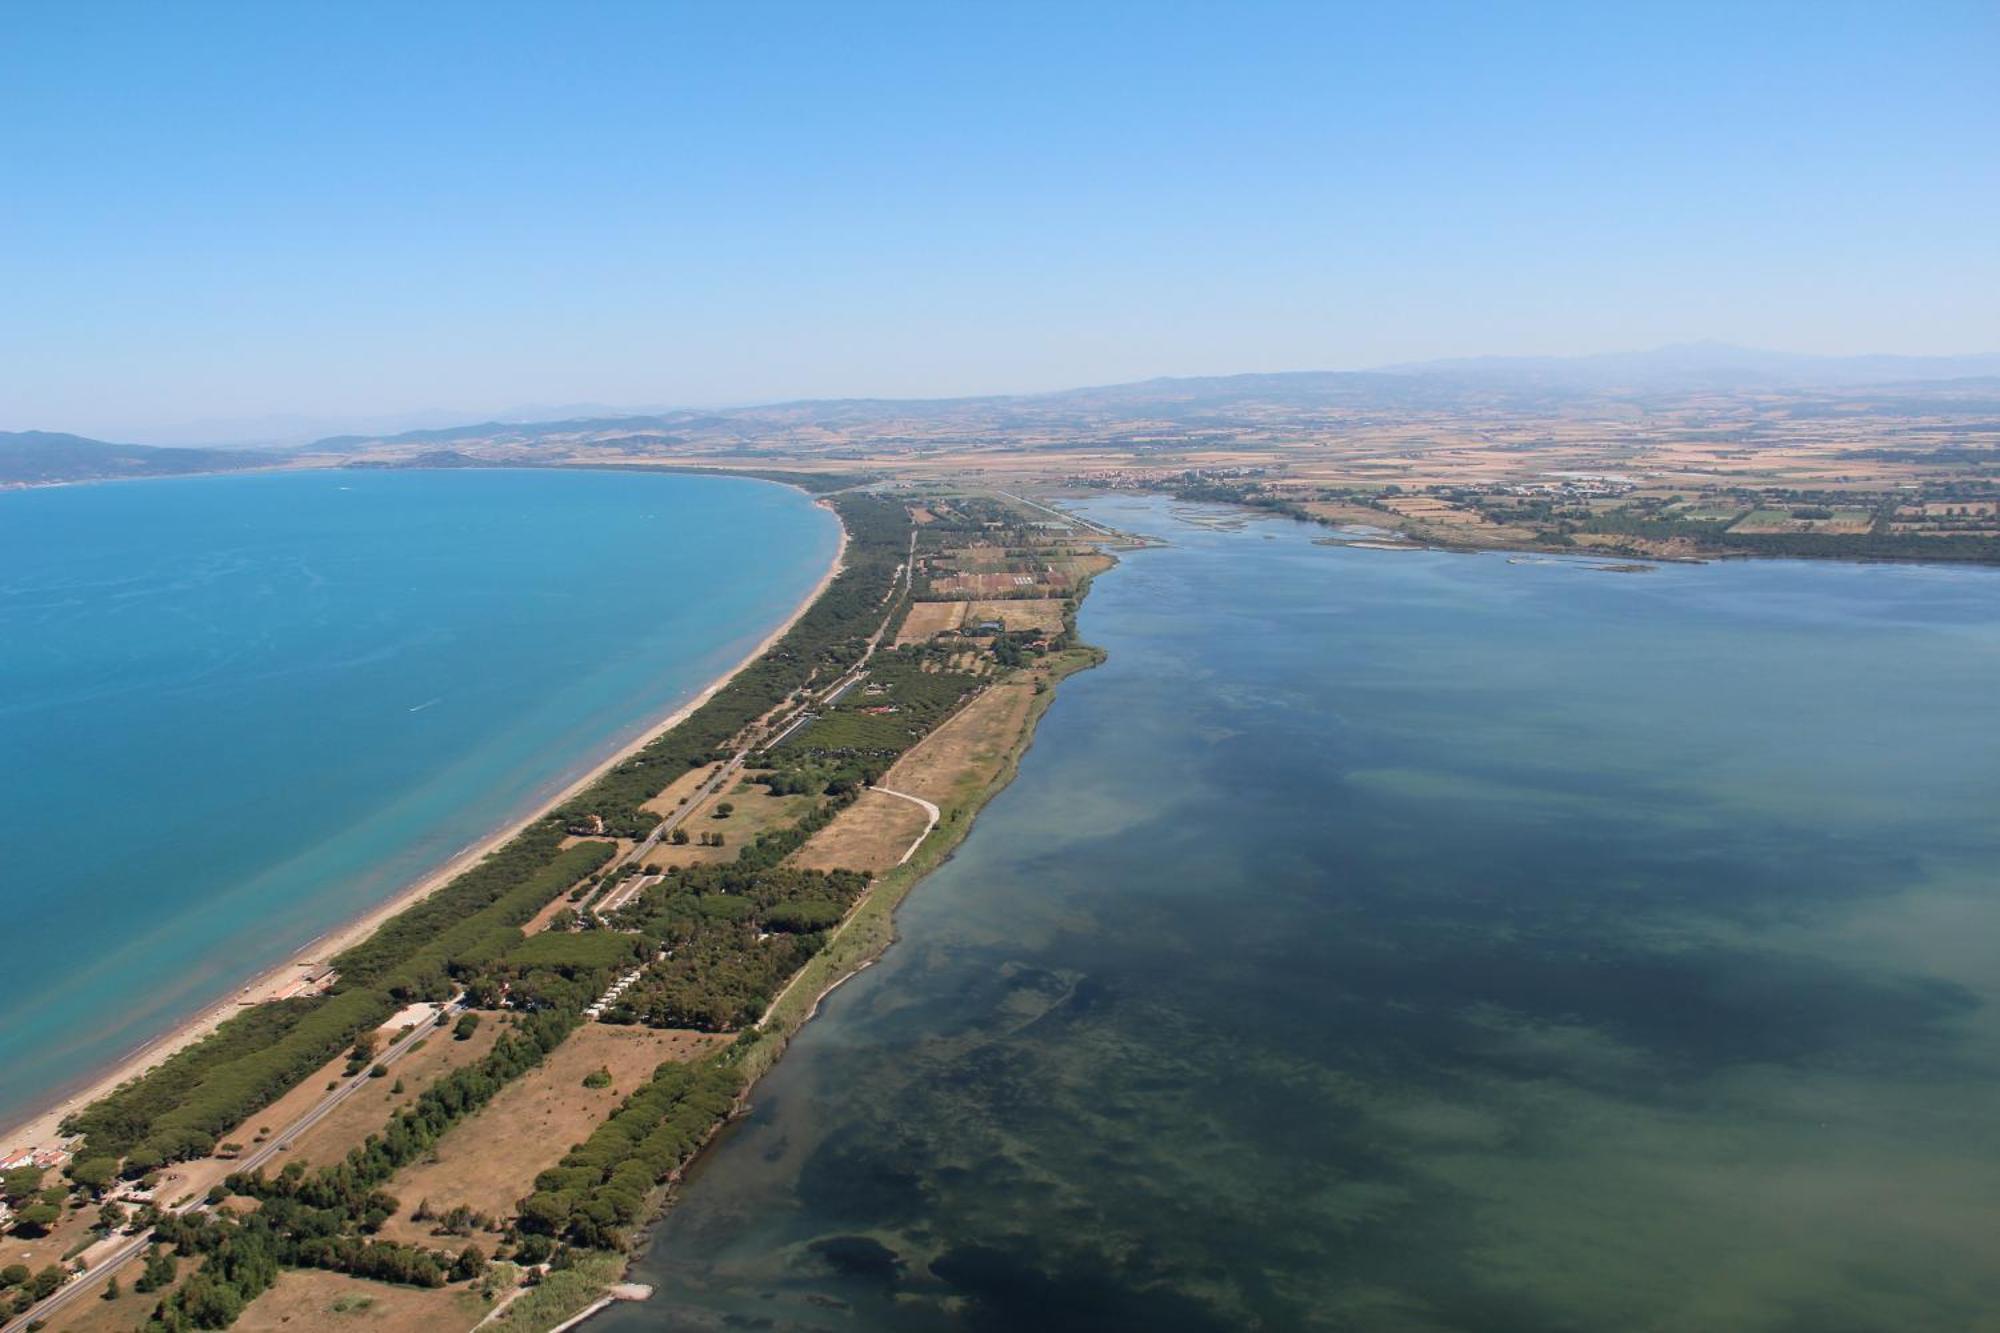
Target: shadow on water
(1415, 941)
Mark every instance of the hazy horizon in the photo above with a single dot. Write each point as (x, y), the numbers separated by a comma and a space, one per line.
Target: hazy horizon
(291, 429)
(370, 215)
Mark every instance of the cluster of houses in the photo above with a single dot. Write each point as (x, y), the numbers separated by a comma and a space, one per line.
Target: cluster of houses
(49, 1159)
(1577, 486)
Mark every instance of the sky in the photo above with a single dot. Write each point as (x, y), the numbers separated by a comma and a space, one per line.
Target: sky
(217, 215)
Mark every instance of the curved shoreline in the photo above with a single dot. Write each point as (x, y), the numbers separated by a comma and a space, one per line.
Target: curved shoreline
(41, 1129)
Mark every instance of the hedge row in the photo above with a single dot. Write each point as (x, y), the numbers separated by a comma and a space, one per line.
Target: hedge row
(599, 1189)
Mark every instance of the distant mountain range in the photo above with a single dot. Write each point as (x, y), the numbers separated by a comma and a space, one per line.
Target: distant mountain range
(1487, 381)
(1217, 402)
(296, 430)
(35, 457)
(1704, 365)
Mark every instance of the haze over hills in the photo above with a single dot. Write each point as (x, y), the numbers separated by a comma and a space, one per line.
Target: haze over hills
(1210, 404)
(32, 457)
(1680, 367)
(294, 429)
(1488, 384)
(1705, 365)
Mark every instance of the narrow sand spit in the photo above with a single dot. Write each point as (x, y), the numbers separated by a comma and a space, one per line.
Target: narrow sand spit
(43, 1129)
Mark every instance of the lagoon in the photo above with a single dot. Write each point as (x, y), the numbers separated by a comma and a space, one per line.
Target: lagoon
(237, 711)
(1422, 941)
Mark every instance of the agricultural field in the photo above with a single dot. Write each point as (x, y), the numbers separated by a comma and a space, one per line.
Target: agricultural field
(984, 571)
(1955, 516)
(1043, 615)
(1804, 520)
(489, 1162)
(926, 620)
(1025, 582)
(1721, 512)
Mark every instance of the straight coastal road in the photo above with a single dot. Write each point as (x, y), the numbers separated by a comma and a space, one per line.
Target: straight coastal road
(735, 762)
(103, 1262)
(1076, 520)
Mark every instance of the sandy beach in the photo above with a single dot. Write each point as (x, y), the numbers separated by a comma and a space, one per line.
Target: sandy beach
(42, 1130)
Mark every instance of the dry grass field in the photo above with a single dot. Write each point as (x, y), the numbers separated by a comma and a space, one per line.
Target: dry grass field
(962, 756)
(368, 1110)
(753, 810)
(131, 1312)
(929, 618)
(1041, 613)
(306, 1300)
(128, 1314)
(1080, 566)
(198, 1175)
(682, 787)
(540, 921)
(40, 1251)
(870, 835)
(490, 1161)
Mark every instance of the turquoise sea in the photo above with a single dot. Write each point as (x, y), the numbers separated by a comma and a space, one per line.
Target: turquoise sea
(238, 711)
(1397, 941)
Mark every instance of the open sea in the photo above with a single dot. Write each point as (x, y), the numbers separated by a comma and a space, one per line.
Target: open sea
(1396, 941)
(238, 711)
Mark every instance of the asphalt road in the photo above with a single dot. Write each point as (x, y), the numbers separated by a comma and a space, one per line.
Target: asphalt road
(736, 761)
(285, 1137)
(1076, 519)
(702, 793)
(102, 1265)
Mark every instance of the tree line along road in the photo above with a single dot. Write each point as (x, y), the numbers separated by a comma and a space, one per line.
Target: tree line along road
(102, 1265)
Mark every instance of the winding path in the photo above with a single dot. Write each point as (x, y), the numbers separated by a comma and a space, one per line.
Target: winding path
(931, 813)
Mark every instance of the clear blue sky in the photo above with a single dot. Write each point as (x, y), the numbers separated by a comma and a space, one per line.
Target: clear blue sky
(232, 210)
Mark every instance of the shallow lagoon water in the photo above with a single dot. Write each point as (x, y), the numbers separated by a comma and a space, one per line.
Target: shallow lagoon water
(237, 711)
(1420, 941)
